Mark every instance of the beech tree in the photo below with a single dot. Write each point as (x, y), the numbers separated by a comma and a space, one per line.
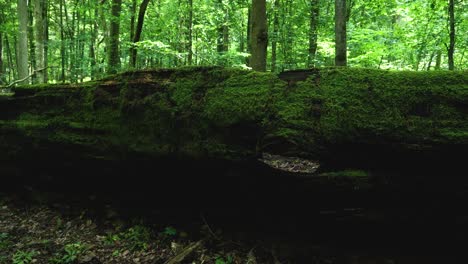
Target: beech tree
(451, 47)
(22, 49)
(40, 39)
(137, 34)
(113, 63)
(340, 33)
(258, 35)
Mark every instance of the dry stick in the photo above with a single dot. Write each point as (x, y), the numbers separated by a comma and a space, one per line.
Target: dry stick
(185, 252)
(25, 78)
(208, 226)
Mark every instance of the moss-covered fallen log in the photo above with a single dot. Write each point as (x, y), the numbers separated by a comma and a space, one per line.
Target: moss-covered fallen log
(342, 117)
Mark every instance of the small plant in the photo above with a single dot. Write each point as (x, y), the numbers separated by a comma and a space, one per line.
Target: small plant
(112, 239)
(5, 242)
(137, 237)
(169, 231)
(221, 260)
(23, 257)
(71, 252)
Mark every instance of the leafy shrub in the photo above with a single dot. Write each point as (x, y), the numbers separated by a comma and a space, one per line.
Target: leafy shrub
(23, 257)
(70, 253)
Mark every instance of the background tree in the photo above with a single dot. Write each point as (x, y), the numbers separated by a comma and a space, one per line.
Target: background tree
(258, 35)
(40, 38)
(137, 34)
(22, 50)
(313, 32)
(340, 33)
(113, 63)
(451, 46)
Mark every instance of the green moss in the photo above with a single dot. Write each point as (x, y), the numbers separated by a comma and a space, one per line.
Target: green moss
(211, 111)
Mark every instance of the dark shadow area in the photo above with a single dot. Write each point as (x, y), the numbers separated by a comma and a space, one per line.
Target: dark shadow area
(408, 212)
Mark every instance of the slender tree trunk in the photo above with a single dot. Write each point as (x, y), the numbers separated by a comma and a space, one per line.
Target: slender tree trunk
(223, 33)
(259, 36)
(92, 43)
(190, 32)
(429, 64)
(22, 50)
(438, 60)
(62, 43)
(340, 33)
(313, 32)
(249, 32)
(113, 61)
(137, 35)
(45, 15)
(32, 44)
(274, 41)
(11, 64)
(39, 35)
(1, 57)
(132, 20)
(451, 47)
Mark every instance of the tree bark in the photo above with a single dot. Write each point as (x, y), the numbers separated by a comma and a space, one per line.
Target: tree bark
(274, 41)
(313, 32)
(340, 33)
(138, 30)
(113, 62)
(259, 35)
(39, 35)
(190, 33)
(451, 47)
(1, 59)
(223, 33)
(22, 50)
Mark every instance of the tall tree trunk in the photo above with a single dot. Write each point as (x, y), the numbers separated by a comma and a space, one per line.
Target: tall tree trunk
(259, 36)
(223, 33)
(274, 41)
(340, 33)
(22, 50)
(92, 43)
(62, 43)
(113, 62)
(137, 35)
(39, 35)
(45, 15)
(451, 47)
(249, 32)
(32, 44)
(313, 32)
(190, 32)
(1, 57)
(438, 60)
(11, 64)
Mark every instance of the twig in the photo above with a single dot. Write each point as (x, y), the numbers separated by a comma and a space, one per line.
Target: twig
(185, 252)
(208, 226)
(25, 78)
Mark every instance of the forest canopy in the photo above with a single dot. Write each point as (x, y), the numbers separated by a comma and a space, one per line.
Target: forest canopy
(79, 40)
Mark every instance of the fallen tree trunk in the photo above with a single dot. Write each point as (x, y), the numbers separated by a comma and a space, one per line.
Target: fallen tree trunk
(343, 117)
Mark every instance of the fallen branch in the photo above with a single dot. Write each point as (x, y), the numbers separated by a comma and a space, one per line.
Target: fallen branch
(25, 78)
(184, 253)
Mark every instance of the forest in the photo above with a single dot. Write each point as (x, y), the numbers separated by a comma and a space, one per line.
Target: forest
(233, 131)
(78, 40)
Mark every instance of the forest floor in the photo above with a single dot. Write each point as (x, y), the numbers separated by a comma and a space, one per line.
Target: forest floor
(58, 233)
(50, 228)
